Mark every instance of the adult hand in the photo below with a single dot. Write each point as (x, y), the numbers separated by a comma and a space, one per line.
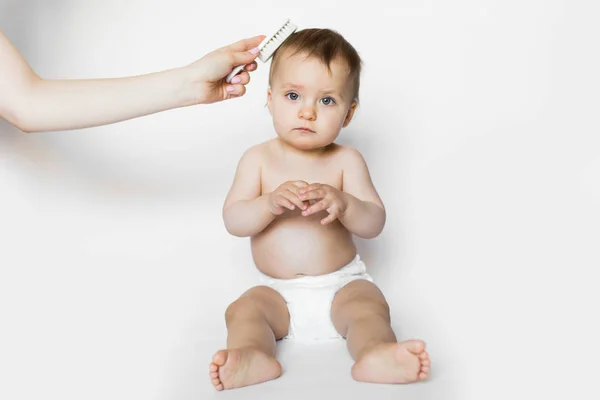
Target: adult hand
(208, 74)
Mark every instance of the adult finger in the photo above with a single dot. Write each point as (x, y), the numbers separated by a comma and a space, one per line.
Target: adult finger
(242, 78)
(246, 44)
(232, 91)
(251, 67)
(242, 58)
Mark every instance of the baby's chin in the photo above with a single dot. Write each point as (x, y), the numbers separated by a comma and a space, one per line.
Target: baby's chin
(308, 145)
(306, 142)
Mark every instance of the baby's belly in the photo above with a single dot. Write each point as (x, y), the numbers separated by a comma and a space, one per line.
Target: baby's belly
(294, 245)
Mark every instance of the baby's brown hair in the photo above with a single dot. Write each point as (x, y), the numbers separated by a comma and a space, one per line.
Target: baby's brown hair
(326, 45)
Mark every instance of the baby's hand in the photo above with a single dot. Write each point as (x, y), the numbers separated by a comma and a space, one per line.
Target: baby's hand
(332, 200)
(286, 196)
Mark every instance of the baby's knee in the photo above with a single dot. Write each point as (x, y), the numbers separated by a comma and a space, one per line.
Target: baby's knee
(373, 307)
(244, 307)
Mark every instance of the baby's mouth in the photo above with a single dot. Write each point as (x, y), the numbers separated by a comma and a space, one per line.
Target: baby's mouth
(306, 130)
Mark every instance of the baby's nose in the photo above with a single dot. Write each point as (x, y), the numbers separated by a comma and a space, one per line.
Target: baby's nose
(308, 112)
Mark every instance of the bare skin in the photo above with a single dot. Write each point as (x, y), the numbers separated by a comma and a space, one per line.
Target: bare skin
(34, 104)
(361, 314)
(254, 322)
(280, 250)
(301, 198)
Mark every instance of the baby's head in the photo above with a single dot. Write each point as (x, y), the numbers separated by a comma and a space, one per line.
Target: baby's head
(314, 82)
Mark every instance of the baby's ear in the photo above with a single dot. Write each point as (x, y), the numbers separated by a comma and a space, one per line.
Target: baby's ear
(269, 96)
(350, 113)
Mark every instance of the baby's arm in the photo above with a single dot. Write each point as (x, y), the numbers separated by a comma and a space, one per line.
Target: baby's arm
(246, 212)
(365, 214)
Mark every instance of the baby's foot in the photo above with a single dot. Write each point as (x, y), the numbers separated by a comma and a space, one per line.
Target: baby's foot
(242, 367)
(403, 362)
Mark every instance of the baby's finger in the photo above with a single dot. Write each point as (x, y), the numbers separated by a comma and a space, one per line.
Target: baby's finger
(312, 195)
(329, 219)
(312, 186)
(242, 78)
(293, 198)
(282, 201)
(300, 184)
(315, 208)
(294, 189)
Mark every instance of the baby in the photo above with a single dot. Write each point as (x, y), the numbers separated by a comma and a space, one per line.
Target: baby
(300, 197)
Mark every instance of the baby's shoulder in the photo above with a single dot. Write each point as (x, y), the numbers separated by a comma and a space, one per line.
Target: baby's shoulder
(347, 155)
(257, 152)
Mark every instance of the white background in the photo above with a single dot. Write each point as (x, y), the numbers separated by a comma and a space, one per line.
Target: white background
(479, 121)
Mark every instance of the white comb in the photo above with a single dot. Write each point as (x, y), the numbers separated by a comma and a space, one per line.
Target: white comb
(268, 46)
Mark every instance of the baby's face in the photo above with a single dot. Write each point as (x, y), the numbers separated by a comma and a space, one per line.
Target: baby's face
(309, 106)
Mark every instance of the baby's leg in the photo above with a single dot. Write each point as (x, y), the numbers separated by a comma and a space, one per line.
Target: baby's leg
(360, 314)
(254, 322)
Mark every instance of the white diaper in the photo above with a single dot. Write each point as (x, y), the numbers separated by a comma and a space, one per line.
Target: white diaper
(309, 299)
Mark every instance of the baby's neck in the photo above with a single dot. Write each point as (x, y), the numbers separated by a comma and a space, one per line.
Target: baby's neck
(308, 153)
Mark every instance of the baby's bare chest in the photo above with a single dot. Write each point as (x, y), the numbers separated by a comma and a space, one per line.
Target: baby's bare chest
(274, 174)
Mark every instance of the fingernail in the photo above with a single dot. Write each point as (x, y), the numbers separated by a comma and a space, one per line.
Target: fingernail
(255, 50)
(230, 89)
(236, 79)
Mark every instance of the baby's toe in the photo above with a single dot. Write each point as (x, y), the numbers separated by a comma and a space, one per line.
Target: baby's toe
(219, 358)
(415, 346)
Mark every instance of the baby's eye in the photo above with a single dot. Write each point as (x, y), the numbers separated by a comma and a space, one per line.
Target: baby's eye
(328, 101)
(292, 96)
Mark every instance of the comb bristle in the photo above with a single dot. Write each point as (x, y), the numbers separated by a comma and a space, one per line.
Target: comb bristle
(269, 47)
